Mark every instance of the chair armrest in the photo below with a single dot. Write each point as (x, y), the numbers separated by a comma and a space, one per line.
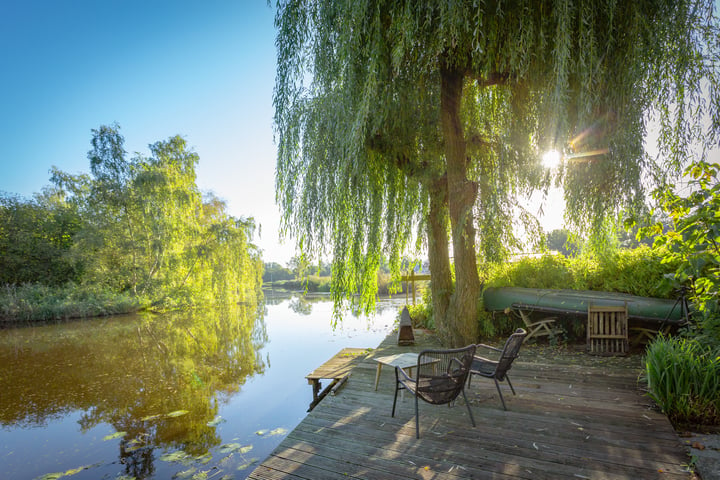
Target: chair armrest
(452, 362)
(488, 347)
(402, 376)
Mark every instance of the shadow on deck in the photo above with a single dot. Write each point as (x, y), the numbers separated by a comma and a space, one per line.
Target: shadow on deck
(574, 416)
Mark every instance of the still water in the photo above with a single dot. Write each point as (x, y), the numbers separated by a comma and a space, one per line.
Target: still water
(199, 395)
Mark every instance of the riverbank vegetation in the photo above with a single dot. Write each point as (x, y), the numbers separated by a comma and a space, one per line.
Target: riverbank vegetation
(136, 233)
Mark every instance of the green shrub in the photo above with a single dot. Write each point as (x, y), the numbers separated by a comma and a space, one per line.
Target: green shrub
(548, 271)
(638, 272)
(422, 313)
(682, 378)
(36, 302)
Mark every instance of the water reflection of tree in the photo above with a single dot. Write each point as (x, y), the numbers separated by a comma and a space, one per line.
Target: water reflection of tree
(301, 305)
(132, 373)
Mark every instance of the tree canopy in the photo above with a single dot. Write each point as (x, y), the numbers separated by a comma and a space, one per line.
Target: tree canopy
(138, 226)
(409, 121)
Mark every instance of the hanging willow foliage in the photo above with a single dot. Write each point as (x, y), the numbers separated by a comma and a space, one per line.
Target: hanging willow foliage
(379, 102)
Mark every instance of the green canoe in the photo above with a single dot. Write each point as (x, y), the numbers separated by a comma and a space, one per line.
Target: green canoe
(575, 302)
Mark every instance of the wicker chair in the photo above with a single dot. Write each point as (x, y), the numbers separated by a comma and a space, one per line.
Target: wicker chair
(440, 377)
(497, 369)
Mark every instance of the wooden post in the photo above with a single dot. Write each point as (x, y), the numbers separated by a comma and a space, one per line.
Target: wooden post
(412, 276)
(407, 287)
(410, 280)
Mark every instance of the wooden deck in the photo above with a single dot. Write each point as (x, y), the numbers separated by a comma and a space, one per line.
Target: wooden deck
(574, 416)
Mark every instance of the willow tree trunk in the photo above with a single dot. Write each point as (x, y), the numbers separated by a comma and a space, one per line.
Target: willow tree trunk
(439, 254)
(461, 321)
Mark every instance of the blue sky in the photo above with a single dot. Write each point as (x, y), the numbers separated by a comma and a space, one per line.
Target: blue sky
(201, 69)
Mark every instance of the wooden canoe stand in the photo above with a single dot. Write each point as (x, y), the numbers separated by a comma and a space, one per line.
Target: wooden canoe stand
(336, 369)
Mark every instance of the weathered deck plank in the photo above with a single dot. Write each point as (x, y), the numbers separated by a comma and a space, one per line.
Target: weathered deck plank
(574, 416)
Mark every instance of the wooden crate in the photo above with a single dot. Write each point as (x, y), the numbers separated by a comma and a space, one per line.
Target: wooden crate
(607, 330)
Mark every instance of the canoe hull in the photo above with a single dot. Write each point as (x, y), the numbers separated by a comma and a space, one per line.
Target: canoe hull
(576, 302)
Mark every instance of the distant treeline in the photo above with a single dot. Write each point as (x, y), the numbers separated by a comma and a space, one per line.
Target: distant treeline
(299, 276)
(138, 228)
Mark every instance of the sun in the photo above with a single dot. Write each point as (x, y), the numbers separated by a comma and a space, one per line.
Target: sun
(551, 159)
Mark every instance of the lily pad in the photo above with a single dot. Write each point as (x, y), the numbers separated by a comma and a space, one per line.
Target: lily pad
(67, 473)
(134, 444)
(51, 476)
(248, 464)
(204, 458)
(278, 431)
(185, 473)
(115, 435)
(215, 421)
(235, 447)
(177, 413)
(176, 456)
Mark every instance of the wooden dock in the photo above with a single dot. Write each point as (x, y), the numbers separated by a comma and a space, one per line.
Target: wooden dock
(575, 416)
(337, 369)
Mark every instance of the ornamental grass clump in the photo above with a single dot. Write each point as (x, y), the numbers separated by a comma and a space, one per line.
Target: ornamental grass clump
(683, 379)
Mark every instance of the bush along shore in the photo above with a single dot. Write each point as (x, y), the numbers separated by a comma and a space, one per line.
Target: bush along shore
(30, 303)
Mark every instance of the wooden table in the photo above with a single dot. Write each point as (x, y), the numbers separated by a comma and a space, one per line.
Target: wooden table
(402, 360)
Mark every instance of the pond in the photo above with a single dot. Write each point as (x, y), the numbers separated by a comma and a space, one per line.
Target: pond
(196, 395)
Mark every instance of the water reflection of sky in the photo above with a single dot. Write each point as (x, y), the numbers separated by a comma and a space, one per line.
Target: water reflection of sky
(272, 400)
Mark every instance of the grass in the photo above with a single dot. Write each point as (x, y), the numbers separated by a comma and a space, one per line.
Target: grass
(682, 378)
(40, 303)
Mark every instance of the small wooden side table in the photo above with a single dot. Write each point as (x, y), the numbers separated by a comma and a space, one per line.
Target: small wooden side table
(406, 361)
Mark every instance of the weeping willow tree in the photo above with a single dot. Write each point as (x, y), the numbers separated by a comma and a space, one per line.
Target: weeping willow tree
(397, 115)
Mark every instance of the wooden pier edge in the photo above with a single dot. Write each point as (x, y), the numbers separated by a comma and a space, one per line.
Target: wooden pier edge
(337, 370)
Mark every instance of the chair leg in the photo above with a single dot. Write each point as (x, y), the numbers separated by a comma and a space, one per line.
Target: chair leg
(417, 418)
(501, 395)
(395, 398)
(467, 404)
(511, 387)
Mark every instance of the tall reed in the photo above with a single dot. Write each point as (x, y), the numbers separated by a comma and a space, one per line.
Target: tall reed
(683, 378)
